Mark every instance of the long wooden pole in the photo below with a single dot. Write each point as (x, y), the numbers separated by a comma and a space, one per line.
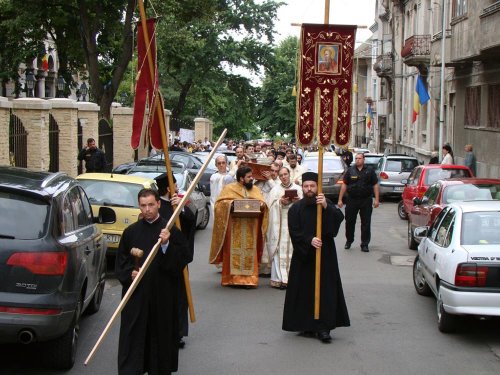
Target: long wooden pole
(319, 212)
(171, 185)
(153, 252)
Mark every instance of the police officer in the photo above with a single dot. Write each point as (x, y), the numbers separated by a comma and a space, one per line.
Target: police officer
(361, 184)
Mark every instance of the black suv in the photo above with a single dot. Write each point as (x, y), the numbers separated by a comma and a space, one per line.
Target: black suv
(52, 261)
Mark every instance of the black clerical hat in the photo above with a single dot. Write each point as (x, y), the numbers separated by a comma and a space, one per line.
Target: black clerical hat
(162, 182)
(310, 176)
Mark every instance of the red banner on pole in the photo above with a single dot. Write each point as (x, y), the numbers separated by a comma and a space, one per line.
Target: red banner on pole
(145, 89)
(325, 83)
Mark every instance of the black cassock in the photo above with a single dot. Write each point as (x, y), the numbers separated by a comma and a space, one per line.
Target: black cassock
(298, 314)
(188, 228)
(149, 330)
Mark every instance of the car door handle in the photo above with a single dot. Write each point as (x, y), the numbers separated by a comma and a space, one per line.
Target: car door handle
(87, 251)
(434, 256)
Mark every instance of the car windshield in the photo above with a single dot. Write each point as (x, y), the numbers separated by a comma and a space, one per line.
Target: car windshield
(436, 174)
(466, 192)
(400, 165)
(330, 165)
(480, 228)
(372, 160)
(111, 193)
(31, 212)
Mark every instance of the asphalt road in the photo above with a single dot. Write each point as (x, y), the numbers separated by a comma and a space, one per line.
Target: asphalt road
(393, 330)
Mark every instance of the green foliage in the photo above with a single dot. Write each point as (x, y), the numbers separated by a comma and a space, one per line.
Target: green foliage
(277, 105)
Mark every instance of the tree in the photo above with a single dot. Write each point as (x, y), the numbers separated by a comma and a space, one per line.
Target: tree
(199, 42)
(277, 105)
(93, 37)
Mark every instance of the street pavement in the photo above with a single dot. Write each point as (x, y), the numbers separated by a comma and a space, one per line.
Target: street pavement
(238, 331)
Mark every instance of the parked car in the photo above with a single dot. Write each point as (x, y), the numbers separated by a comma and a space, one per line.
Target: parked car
(371, 160)
(333, 171)
(52, 261)
(198, 202)
(424, 176)
(443, 192)
(391, 170)
(191, 161)
(459, 262)
(124, 167)
(118, 192)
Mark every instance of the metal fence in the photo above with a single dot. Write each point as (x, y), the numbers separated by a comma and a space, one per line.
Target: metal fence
(53, 144)
(18, 143)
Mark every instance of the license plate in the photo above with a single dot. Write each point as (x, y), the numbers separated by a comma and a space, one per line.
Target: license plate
(114, 238)
(398, 188)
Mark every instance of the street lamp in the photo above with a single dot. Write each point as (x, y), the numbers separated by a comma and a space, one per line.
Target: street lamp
(61, 86)
(123, 98)
(30, 83)
(84, 90)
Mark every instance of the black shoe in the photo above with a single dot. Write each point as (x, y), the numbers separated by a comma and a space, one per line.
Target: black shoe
(347, 245)
(307, 334)
(182, 343)
(364, 248)
(324, 336)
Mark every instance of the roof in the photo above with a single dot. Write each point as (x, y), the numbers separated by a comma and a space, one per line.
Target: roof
(474, 206)
(469, 180)
(37, 182)
(116, 177)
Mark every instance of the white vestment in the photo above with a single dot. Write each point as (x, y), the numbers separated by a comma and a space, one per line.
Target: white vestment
(217, 182)
(278, 243)
(296, 173)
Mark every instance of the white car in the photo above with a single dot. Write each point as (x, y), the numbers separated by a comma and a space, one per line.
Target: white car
(459, 261)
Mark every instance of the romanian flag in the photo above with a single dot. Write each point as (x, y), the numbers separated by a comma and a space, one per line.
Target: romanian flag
(420, 98)
(369, 116)
(45, 62)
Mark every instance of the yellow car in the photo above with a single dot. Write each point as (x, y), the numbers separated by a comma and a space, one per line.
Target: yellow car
(118, 192)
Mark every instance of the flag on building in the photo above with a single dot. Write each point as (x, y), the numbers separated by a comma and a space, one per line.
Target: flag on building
(420, 98)
(369, 116)
(45, 62)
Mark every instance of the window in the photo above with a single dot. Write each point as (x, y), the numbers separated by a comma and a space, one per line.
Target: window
(458, 8)
(383, 89)
(86, 206)
(432, 193)
(444, 231)
(67, 216)
(493, 107)
(414, 176)
(433, 230)
(473, 105)
(80, 215)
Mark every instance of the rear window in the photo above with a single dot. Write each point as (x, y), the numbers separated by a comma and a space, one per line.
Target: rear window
(109, 193)
(434, 175)
(400, 165)
(329, 165)
(480, 228)
(23, 217)
(467, 192)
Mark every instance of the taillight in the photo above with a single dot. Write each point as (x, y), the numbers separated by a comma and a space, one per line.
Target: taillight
(28, 310)
(384, 176)
(41, 263)
(470, 274)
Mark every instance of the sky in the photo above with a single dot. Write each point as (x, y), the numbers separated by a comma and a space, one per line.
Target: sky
(350, 12)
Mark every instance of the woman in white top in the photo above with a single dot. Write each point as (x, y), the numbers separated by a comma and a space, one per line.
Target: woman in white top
(447, 155)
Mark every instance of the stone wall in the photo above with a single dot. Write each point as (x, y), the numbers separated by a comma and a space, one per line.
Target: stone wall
(203, 128)
(122, 132)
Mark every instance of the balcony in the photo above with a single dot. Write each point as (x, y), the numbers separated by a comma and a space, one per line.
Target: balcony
(417, 50)
(383, 65)
(489, 20)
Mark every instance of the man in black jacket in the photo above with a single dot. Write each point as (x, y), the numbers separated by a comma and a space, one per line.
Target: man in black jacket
(95, 160)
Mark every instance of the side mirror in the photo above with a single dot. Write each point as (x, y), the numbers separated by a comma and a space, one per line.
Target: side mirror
(106, 216)
(425, 200)
(420, 233)
(417, 201)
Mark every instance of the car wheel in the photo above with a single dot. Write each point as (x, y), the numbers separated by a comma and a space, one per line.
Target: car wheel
(206, 217)
(61, 352)
(412, 244)
(446, 322)
(419, 280)
(401, 211)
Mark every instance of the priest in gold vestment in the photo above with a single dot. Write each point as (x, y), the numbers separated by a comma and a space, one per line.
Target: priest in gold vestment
(238, 242)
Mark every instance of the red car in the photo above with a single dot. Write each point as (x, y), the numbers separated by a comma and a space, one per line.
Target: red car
(439, 194)
(424, 176)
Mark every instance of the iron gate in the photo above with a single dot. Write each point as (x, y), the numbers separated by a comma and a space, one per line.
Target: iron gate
(106, 143)
(80, 145)
(18, 143)
(53, 144)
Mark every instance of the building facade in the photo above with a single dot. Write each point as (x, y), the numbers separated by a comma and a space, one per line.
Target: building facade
(408, 35)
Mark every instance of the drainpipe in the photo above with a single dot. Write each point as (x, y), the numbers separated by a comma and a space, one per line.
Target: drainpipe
(441, 100)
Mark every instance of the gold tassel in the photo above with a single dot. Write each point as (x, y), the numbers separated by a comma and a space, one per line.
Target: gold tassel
(294, 91)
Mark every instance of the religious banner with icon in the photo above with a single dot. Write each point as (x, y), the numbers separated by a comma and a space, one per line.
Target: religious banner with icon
(325, 81)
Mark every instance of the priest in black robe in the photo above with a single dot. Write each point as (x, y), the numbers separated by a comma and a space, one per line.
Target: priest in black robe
(298, 314)
(188, 228)
(150, 321)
